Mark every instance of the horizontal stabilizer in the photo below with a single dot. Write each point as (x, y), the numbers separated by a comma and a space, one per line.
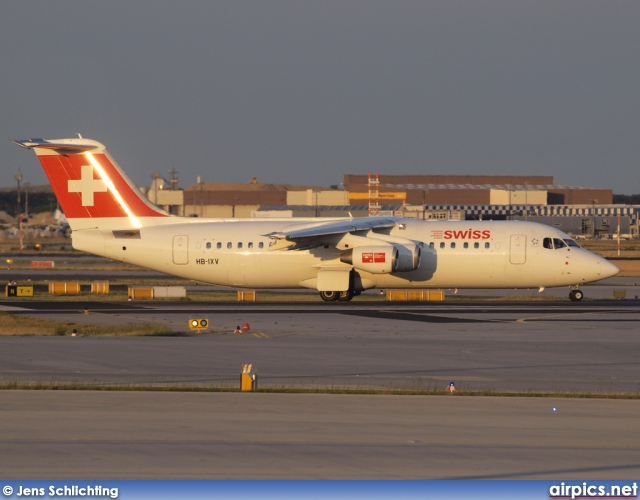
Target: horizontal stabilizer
(61, 146)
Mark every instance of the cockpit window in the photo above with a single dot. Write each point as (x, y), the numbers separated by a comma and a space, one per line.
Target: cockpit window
(571, 243)
(558, 243)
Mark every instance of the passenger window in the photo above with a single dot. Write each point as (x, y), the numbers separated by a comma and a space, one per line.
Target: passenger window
(432, 245)
(442, 244)
(250, 245)
(453, 244)
(476, 245)
(261, 245)
(229, 245)
(219, 245)
(487, 244)
(208, 245)
(239, 244)
(466, 244)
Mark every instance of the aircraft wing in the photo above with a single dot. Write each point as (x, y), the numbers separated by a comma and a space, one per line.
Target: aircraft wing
(323, 234)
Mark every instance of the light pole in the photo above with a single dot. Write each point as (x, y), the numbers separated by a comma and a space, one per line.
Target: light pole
(200, 189)
(593, 216)
(510, 204)
(26, 200)
(233, 207)
(18, 178)
(155, 176)
(316, 193)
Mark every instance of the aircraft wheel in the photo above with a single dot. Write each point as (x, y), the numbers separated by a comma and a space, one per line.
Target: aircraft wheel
(329, 296)
(345, 296)
(576, 295)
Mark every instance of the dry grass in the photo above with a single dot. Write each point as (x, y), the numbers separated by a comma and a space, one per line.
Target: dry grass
(609, 248)
(276, 389)
(26, 326)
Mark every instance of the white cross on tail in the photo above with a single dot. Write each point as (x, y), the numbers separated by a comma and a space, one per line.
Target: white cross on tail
(87, 186)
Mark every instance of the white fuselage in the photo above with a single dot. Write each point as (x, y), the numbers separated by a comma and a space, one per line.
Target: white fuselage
(454, 254)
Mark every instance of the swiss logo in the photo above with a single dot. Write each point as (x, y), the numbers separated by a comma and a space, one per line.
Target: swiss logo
(87, 186)
(371, 257)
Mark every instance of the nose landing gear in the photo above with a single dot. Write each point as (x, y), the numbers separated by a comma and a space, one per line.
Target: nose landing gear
(576, 295)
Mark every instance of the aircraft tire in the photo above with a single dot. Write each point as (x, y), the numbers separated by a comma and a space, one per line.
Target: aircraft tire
(329, 296)
(345, 296)
(576, 295)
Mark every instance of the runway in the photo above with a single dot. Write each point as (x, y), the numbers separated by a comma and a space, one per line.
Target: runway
(525, 346)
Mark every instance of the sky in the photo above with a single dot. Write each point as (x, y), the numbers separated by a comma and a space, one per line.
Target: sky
(302, 92)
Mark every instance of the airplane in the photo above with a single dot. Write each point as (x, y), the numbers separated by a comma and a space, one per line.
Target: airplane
(338, 257)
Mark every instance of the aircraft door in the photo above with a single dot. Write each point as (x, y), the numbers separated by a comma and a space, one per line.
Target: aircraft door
(518, 251)
(180, 250)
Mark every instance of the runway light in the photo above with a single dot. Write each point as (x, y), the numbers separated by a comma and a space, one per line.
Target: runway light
(198, 324)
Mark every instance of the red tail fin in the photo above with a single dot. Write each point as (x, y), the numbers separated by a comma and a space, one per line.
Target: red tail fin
(92, 189)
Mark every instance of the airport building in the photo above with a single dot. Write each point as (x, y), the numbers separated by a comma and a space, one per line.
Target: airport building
(475, 189)
(580, 211)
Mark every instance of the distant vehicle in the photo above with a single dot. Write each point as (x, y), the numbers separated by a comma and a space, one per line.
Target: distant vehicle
(623, 236)
(340, 258)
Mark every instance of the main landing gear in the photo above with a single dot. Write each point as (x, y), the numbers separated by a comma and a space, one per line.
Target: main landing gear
(576, 295)
(341, 296)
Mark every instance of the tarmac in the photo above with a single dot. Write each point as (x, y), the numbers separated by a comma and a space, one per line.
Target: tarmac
(532, 347)
(150, 435)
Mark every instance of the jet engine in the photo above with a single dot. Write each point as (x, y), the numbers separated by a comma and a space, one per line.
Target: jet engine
(408, 257)
(373, 259)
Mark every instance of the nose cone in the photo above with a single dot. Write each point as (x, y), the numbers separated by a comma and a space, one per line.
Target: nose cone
(607, 269)
(591, 267)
